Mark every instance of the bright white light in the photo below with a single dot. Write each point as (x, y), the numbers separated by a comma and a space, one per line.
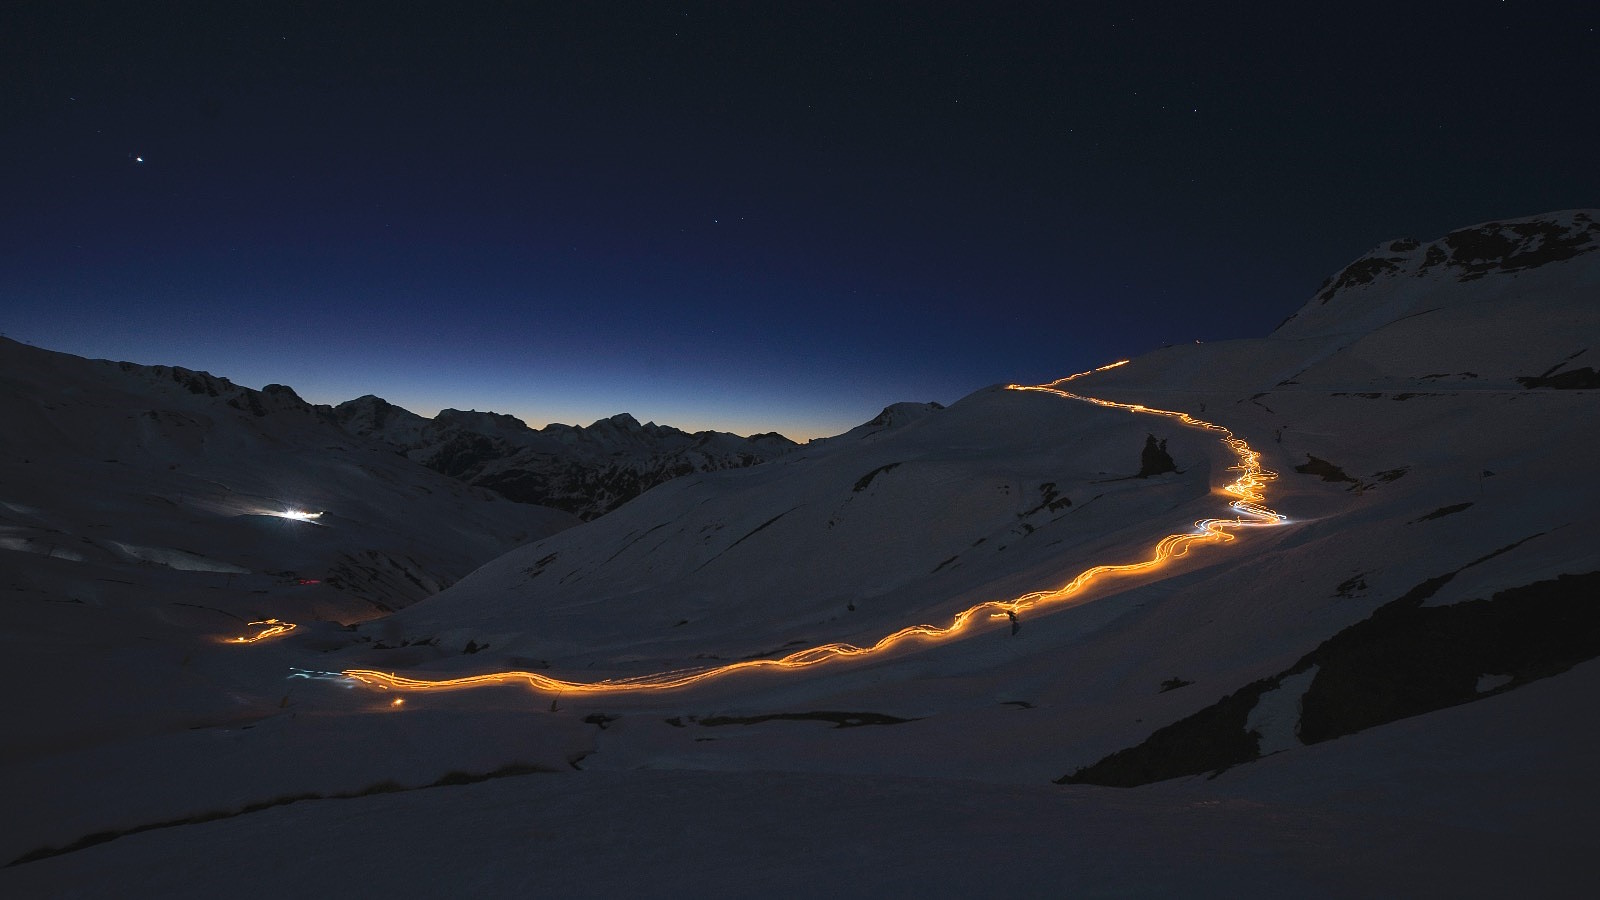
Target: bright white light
(300, 516)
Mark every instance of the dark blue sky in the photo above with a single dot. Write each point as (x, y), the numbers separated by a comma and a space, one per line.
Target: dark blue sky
(742, 216)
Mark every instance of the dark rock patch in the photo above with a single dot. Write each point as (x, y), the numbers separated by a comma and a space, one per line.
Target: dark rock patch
(1323, 469)
(1583, 379)
(1049, 499)
(1517, 246)
(1350, 587)
(1441, 512)
(383, 787)
(1408, 659)
(1210, 740)
(1362, 271)
(865, 481)
(759, 528)
(1154, 459)
(538, 567)
(1404, 660)
(839, 719)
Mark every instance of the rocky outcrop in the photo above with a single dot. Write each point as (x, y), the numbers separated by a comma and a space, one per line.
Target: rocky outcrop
(1154, 458)
(1471, 253)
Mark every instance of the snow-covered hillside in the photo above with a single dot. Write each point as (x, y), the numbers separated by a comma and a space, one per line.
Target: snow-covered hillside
(142, 522)
(587, 471)
(1386, 694)
(116, 464)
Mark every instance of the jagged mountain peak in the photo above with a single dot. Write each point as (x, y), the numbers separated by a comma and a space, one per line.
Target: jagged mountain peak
(586, 470)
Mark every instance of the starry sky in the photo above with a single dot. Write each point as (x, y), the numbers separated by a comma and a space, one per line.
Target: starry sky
(742, 216)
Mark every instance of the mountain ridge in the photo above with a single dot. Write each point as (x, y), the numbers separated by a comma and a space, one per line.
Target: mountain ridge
(585, 470)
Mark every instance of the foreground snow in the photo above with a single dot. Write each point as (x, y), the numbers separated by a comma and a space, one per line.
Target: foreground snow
(1425, 808)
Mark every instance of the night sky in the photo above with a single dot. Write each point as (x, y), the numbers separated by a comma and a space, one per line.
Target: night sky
(743, 216)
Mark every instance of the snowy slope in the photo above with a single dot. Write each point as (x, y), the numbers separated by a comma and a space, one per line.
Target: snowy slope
(1395, 684)
(851, 538)
(587, 471)
(117, 464)
(140, 524)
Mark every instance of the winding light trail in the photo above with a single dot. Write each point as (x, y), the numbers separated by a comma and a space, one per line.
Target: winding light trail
(270, 628)
(1248, 489)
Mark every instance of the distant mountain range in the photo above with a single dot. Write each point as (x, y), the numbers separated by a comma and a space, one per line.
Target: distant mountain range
(133, 473)
(151, 447)
(587, 471)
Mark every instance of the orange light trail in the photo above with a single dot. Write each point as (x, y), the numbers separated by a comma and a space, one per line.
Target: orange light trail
(271, 628)
(1248, 489)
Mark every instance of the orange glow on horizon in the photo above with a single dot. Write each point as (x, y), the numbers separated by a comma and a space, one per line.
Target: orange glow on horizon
(1248, 489)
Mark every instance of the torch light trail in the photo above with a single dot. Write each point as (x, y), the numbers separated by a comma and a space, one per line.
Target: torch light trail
(269, 628)
(1249, 506)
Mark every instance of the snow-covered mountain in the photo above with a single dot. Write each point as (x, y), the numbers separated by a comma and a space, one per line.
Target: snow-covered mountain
(1388, 693)
(116, 464)
(587, 471)
(142, 520)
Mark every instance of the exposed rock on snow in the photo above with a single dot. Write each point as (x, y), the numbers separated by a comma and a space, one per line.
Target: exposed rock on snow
(1406, 660)
(1154, 459)
(1471, 253)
